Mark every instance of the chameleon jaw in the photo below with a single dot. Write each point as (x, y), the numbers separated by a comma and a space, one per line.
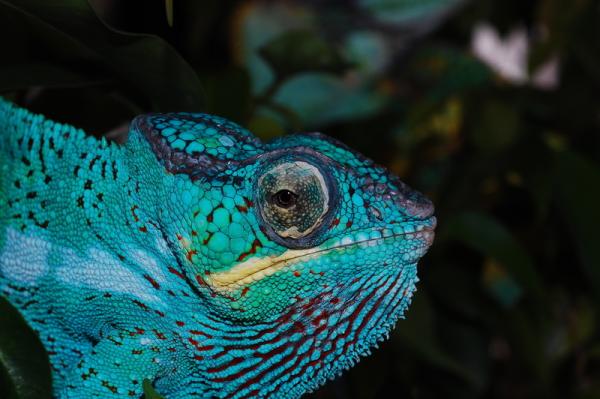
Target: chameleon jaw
(256, 269)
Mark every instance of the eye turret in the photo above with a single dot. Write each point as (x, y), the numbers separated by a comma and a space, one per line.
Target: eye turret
(294, 199)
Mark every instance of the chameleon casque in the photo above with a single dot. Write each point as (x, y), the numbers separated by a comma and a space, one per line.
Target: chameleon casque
(199, 258)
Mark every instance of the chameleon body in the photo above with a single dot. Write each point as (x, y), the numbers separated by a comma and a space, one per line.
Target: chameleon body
(199, 258)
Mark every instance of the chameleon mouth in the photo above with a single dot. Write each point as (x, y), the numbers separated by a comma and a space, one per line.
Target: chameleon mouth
(255, 269)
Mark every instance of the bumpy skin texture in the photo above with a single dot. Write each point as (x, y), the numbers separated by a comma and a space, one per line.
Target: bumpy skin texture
(197, 257)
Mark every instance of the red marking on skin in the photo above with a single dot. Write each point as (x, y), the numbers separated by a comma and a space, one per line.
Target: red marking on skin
(176, 272)
(158, 312)
(299, 327)
(190, 254)
(245, 291)
(317, 320)
(207, 238)
(255, 245)
(198, 332)
(198, 357)
(159, 335)
(140, 304)
(219, 355)
(369, 314)
(143, 229)
(180, 323)
(152, 281)
(196, 213)
(349, 224)
(179, 237)
(334, 300)
(194, 342)
(209, 218)
(194, 233)
(248, 202)
(135, 216)
(200, 280)
(171, 349)
(242, 208)
(335, 222)
(297, 273)
(294, 356)
(233, 362)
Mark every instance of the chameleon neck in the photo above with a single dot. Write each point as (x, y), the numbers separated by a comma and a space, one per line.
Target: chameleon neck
(69, 186)
(313, 341)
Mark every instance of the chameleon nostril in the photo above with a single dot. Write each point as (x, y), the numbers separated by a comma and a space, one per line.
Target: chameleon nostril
(376, 212)
(419, 206)
(414, 204)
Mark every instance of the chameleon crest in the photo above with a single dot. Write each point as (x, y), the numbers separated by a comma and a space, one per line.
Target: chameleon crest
(199, 258)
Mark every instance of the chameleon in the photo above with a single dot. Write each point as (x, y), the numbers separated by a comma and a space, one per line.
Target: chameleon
(199, 259)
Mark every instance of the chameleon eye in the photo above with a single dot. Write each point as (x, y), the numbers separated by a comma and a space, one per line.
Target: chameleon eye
(294, 199)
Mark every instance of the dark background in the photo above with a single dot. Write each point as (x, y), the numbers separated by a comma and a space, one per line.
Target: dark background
(508, 303)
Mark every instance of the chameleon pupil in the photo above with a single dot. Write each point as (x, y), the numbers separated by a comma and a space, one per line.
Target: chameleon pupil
(285, 199)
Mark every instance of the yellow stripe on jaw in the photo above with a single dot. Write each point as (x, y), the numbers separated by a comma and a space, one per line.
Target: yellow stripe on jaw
(255, 269)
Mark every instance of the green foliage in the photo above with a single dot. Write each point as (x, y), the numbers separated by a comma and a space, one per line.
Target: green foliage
(149, 391)
(578, 192)
(72, 34)
(24, 367)
(508, 302)
(311, 53)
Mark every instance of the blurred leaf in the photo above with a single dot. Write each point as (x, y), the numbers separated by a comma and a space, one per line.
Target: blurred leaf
(484, 234)
(447, 71)
(265, 127)
(578, 196)
(149, 391)
(496, 126)
(23, 360)
(33, 74)
(256, 25)
(169, 11)
(499, 284)
(144, 62)
(319, 99)
(418, 334)
(368, 52)
(302, 51)
(408, 11)
(228, 94)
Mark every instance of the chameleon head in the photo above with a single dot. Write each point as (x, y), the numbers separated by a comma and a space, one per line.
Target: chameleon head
(301, 232)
